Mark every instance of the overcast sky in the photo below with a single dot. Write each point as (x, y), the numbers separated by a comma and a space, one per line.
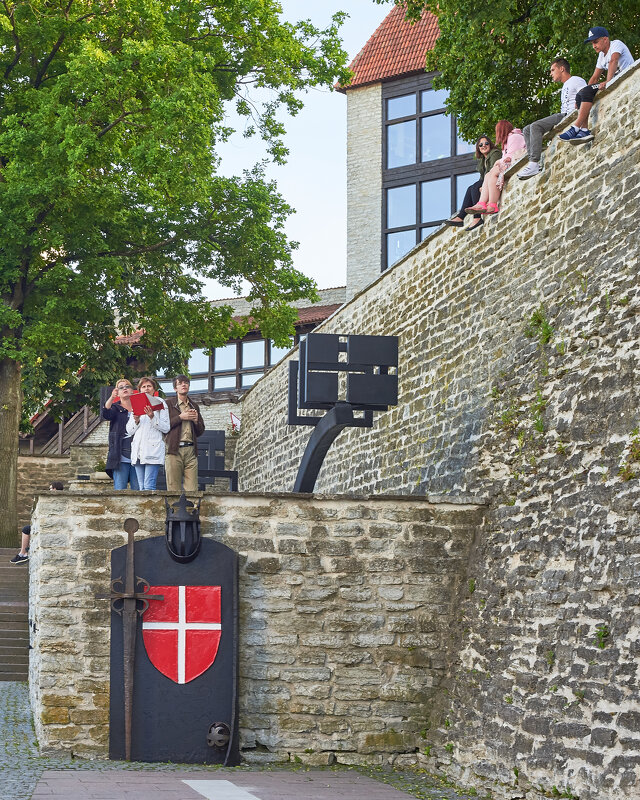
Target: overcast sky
(314, 179)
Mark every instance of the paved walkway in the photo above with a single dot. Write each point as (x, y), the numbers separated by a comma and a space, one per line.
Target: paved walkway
(25, 775)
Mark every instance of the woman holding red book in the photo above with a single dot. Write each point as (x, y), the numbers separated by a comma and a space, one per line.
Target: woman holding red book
(147, 446)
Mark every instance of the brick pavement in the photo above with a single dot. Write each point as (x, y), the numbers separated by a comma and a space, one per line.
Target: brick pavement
(276, 785)
(26, 775)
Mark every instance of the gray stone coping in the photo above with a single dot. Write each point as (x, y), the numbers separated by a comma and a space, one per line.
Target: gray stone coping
(462, 499)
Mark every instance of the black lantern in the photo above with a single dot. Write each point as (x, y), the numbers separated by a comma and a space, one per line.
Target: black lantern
(182, 529)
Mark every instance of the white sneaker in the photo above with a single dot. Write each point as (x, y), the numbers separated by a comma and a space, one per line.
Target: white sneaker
(532, 168)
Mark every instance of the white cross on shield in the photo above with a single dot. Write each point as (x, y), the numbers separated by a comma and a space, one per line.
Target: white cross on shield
(181, 633)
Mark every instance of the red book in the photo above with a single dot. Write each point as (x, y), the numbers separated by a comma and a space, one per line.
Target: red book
(140, 400)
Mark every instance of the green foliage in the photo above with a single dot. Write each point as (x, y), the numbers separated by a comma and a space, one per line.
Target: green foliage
(449, 747)
(550, 658)
(539, 406)
(539, 327)
(113, 214)
(634, 447)
(555, 792)
(496, 64)
(508, 700)
(602, 634)
(472, 585)
(509, 418)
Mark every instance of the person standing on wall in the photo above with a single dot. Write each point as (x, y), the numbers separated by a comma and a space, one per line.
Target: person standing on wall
(147, 446)
(117, 410)
(613, 59)
(571, 84)
(186, 424)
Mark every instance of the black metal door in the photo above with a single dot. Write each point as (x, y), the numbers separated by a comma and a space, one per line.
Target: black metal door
(179, 716)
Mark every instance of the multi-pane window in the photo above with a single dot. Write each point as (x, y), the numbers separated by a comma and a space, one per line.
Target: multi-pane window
(427, 166)
(236, 365)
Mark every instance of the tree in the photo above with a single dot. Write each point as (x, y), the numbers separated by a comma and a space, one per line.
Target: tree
(111, 210)
(494, 56)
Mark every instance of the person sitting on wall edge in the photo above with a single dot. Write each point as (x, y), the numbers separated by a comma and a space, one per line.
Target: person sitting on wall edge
(22, 556)
(571, 84)
(513, 148)
(613, 58)
(486, 154)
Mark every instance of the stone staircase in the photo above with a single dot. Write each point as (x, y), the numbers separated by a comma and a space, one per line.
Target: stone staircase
(14, 617)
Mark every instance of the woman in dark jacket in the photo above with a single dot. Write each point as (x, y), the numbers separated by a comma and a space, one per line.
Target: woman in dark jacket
(487, 154)
(117, 410)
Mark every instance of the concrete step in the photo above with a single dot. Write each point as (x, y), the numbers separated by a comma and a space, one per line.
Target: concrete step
(14, 611)
(19, 662)
(7, 642)
(18, 625)
(14, 618)
(19, 675)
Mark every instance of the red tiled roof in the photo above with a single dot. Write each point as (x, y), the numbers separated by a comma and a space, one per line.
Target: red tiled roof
(316, 314)
(307, 316)
(397, 47)
(312, 315)
(132, 338)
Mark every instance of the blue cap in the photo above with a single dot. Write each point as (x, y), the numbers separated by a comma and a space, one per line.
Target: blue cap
(596, 33)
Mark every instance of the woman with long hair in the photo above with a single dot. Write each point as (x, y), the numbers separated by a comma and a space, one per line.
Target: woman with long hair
(513, 147)
(147, 446)
(486, 155)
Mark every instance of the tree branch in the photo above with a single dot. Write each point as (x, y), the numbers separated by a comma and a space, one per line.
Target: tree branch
(45, 64)
(119, 119)
(14, 33)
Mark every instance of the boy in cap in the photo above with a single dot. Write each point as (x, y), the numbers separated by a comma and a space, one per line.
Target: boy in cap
(613, 58)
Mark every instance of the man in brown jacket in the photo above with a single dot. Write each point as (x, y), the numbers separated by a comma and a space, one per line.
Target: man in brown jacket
(186, 424)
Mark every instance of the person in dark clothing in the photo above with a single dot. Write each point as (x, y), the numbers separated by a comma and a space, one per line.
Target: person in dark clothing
(117, 410)
(22, 556)
(487, 154)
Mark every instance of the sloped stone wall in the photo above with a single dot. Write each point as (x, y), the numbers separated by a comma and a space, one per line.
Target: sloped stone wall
(345, 610)
(519, 352)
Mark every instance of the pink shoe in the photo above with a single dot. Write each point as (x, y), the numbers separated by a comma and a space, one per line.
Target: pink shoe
(479, 208)
(492, 208)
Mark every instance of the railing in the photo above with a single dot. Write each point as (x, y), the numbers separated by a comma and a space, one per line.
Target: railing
(71, 432)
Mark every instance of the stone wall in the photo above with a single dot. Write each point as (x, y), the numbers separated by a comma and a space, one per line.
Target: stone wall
(35, 473)
(364, 186)
(519, 352)
(345, 610)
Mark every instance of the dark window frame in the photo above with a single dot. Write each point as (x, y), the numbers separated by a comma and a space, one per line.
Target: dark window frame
(238, 371)
(420, 171)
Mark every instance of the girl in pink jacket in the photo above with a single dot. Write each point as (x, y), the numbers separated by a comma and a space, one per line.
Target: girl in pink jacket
(513, 146)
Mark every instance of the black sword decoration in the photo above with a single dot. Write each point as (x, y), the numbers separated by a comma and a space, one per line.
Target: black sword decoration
(125, 602)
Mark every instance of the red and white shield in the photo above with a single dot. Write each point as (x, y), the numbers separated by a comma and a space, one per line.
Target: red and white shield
(182, 632)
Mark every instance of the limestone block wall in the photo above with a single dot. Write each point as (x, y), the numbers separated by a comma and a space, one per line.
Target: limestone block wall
(35, 473)
(364, 186)
(346, 611)
(519, 352)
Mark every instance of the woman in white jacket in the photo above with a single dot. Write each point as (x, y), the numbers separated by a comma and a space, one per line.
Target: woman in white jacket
(147, 446)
